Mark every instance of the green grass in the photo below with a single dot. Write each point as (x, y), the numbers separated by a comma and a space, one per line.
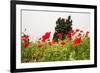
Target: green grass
(56, 52)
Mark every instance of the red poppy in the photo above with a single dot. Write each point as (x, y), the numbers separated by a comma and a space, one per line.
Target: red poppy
(46, 36)
(77, 30)
(25, 37)
(43, 40)
(40, 45)
(71, 31)
(48, 39)
(39, 38)
(87, 34)
(79, 34)
(26, 44)
(51, 42)
(70, 38)
(81, 31)
(67, 35)
(60, 38)
(77, 41)
(59, 34)
(63, 42)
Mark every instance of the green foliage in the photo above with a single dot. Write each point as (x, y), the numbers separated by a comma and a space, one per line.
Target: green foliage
(56, 52)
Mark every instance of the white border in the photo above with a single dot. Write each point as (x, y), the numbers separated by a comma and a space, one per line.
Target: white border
(20, 65)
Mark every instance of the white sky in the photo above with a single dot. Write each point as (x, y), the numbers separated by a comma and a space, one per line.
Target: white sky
(39, 22)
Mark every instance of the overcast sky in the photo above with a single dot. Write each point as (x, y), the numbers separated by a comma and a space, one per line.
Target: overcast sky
(39, 22)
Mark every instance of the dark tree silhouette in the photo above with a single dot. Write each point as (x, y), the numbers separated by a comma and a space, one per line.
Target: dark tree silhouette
(63, 26)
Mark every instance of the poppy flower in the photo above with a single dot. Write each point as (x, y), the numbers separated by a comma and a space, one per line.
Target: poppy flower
(40, 45)
(43, 40)
(70, 38)
(48, 39)
(39, 38)
(59, 34)
(60, 38)
(63, 42)
(51, 42)
(25, 37)
(79, 34)
(77, 41)
(26, 44)
(77, 30)
(46, 36)
(71, 31)
(87, 34)
(67, 35)
(81, 31)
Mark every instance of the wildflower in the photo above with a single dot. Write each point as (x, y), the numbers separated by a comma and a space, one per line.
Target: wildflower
(87, 34)
(26, 44)
(48, 39)
(77, 41)
(81, 31)
(40, 45)
(63, 42)
(70, 38)
(60, 38)
(71, 31)
(25, 37)
(79, 34)
(39, 38)
(46, 36)
(67, 35)
(43, 38)
(59, 34)
(77, 30)
(51, 42)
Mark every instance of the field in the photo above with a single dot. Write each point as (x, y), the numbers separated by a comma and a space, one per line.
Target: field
(74, 47)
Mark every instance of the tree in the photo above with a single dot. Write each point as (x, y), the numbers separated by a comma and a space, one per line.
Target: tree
(63, 26)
